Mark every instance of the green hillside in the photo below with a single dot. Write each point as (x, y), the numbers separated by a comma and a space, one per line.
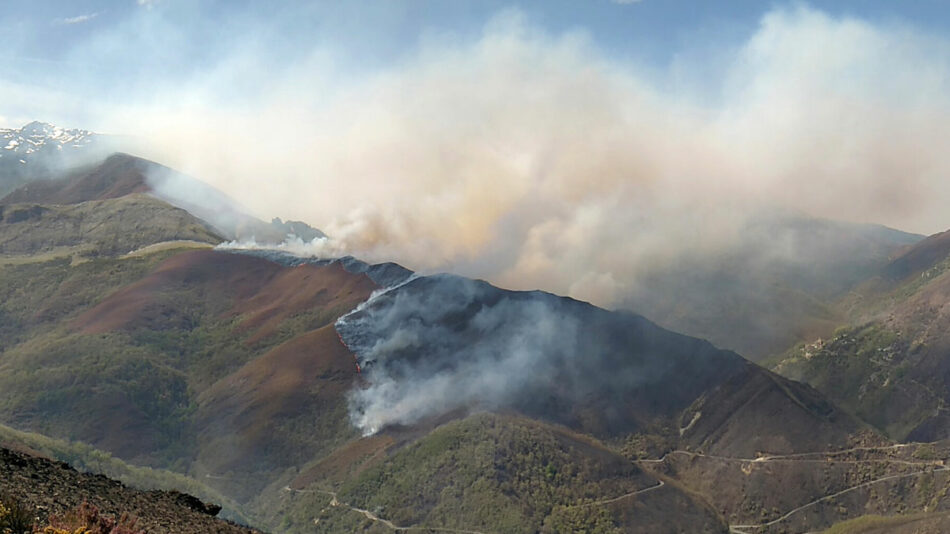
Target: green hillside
(891, 364)
(494, 473)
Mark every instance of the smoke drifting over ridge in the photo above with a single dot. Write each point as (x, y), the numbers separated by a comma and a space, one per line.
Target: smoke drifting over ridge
(425, 352)
(438, 344)
(533, 160)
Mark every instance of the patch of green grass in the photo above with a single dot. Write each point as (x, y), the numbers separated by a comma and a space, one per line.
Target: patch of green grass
(498, 474)
(98, 388)
(101, 228)
(869, 522)
(66, 383)
(35, 297)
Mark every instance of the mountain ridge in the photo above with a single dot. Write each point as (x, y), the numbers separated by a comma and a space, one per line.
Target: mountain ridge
(120, 175)
(258, 372)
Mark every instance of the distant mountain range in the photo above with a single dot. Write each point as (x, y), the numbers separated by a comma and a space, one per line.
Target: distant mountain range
(780, 282)
(39, 149)
(39, 139)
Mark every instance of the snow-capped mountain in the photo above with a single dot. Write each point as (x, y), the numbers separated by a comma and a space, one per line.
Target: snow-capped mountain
(40, 149)
(39, 138)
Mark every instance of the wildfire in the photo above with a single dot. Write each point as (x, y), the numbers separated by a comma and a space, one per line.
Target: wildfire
(355, 359)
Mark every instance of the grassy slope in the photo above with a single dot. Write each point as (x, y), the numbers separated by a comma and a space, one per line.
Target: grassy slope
(134, 356)
(495, 473)
(865, 369)
(889, 366)
(134, 391)
(69, 385)
(750, 492)
(96, 228)
(937, 523)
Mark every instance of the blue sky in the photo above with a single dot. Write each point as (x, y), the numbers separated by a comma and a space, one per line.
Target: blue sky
(126, 49)
(566, 145)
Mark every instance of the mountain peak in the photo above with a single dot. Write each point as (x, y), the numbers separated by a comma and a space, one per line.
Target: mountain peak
(39, 149)
(44, 146)
(38, 135)
(37, 128)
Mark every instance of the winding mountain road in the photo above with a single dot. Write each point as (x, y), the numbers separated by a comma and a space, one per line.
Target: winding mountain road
(742, 529)
(933, 466)
(800, 457)
(659, 485)
(373, 517)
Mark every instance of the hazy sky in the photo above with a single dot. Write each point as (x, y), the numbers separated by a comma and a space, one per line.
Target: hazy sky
(62, 60)
(561, 144)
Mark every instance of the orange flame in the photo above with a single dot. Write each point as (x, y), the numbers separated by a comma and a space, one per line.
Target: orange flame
(355, 359)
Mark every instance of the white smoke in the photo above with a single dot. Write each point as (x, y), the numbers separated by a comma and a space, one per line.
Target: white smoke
(442, 344)
(319, 247)
(513, 346)
(533, 159)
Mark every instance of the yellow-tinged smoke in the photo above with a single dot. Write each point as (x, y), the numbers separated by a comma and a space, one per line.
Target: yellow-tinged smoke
(532, 160)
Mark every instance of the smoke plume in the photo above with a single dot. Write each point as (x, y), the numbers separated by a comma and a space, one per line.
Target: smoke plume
(438, 344)
(535, 159)
(419, 364)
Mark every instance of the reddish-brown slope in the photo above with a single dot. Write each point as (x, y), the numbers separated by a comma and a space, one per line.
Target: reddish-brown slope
(117, 176)
(315, 366)
(263, 292)
(284, 402)
(296, 289)
(281, 409)
(217, 276)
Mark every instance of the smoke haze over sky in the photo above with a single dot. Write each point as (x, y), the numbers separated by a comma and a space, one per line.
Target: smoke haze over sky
(564, 145)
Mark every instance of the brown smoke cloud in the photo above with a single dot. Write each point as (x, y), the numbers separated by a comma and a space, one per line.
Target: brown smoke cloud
(532, 160)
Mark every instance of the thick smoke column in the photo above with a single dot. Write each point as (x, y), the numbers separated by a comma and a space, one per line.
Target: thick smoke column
(532, 159)
(442, 343)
